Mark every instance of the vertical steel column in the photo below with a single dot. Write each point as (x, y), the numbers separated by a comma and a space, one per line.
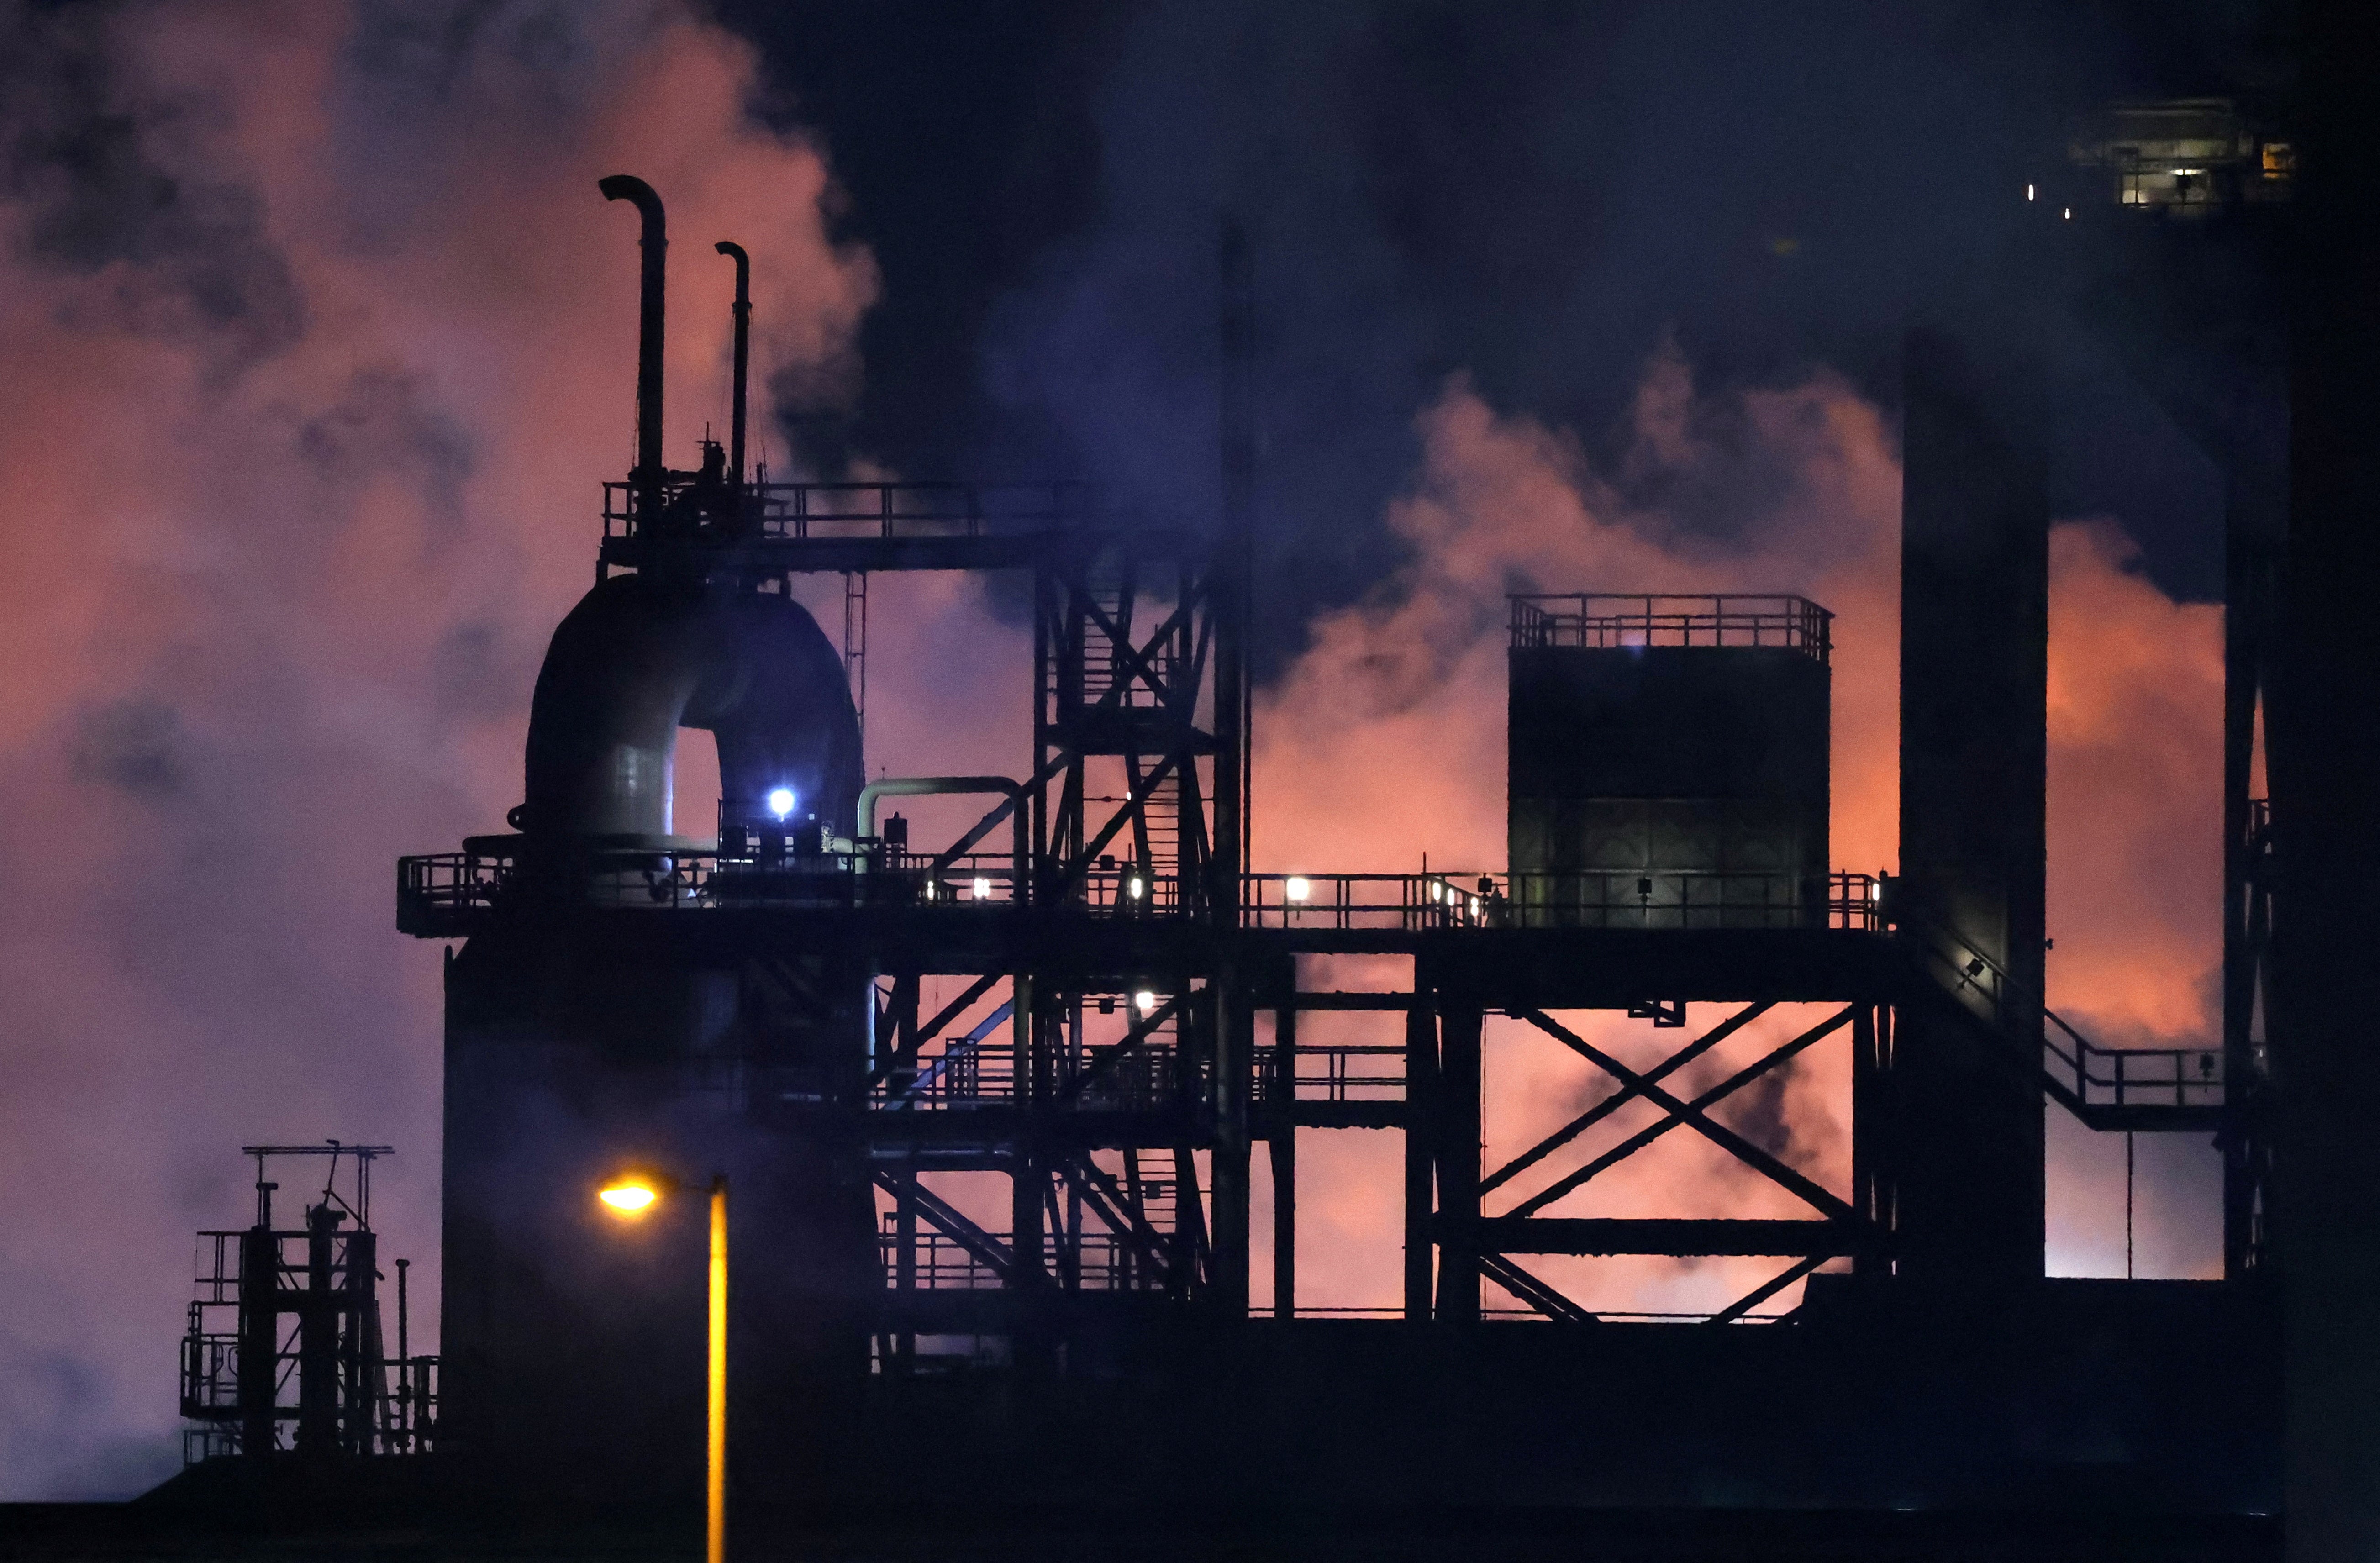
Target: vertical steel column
(1227, 585)
(2324, 734)
(361, 1375)
(1458, 1162)
(905, 1261)
(1975, 640)
(1234, 1024)
(1421, 1121)
(1872, 1126)
(1280, 1108)
(317, 1338)
(2248, 629)
(1028, 1174)
(260, 1330)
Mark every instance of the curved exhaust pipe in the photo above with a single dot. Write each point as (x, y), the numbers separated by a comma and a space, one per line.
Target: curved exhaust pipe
(647, 477)
(743, 354)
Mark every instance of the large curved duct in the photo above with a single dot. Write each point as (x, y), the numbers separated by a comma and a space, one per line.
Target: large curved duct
(640, 656)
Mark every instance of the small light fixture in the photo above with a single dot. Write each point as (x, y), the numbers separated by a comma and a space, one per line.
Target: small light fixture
(982, 887)
(1144, 1001)
(2028, 192)
(1134, 887)
(629, 1196)
(1298, 889)
(781, 801)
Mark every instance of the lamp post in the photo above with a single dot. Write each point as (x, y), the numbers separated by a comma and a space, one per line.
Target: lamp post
(629, 1197)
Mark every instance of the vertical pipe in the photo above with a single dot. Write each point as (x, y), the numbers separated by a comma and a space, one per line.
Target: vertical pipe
(1234, 1021)
(404, 1364)
(715, 1379)
(654, 246)
(743, 356)
(1229, 582)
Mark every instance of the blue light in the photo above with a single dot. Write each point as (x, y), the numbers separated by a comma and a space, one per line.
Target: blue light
(781, 801)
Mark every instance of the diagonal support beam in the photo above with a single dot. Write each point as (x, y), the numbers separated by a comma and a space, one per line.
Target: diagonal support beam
(1692, 1115)
(945, 1219)
(1138, 1033)
(1622, 1098)
(1766, 1289)
(1526, 1288)
(906, 1054)
(1117, 1212)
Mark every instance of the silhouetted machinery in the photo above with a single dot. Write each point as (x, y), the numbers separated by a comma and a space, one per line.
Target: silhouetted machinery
(989, 1106)
(303, 1370)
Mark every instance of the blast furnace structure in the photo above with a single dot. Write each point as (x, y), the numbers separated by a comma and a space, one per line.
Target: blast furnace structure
(1091, 996)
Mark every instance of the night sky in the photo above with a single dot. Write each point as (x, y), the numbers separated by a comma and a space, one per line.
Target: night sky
(316, 340)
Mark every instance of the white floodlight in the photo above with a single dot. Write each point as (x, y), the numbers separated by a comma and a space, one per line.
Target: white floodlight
(781, 801)
(982, 887)
(1298, 889)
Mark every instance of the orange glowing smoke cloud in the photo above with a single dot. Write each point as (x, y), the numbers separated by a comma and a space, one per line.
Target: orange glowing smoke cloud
(1386, 740)
(319, 338)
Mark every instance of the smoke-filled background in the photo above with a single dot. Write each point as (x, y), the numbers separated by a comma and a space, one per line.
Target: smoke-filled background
(315, 341)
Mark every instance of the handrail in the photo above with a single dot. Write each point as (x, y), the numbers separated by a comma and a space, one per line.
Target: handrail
(2086, 1066)
(1607, 621)
(923, 786)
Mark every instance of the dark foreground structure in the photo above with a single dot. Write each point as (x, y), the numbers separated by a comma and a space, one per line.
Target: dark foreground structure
(1088, 1000)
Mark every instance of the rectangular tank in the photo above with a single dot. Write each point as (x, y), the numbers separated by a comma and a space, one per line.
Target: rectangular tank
(1669, 761)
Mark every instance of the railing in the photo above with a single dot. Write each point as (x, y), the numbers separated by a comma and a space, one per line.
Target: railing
(1341, 902)
(1351, 1073)
(1092, 1260)
(2080, 1074)
(1602, 621)
(449, 884)
(804, 512)
(1626, 898)
(454, 883)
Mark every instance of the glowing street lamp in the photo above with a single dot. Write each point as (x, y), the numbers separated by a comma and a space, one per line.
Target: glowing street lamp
(629, 1197)
(781, 801)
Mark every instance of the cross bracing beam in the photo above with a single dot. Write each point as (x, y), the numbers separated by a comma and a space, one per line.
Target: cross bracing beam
(1692, 1115)
(1622, 1098)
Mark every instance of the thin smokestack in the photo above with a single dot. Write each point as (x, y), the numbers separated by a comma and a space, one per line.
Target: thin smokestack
(655, 245)
(743, 353)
